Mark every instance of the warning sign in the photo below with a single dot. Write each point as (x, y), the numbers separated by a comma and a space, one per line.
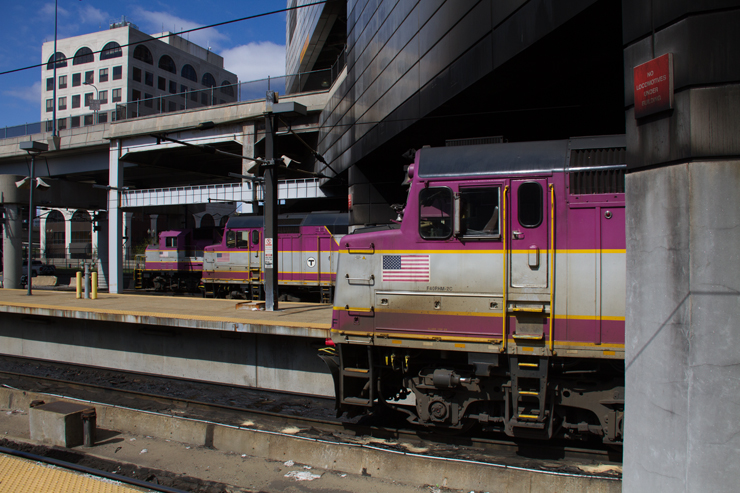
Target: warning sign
(654, 86)
(268, 253)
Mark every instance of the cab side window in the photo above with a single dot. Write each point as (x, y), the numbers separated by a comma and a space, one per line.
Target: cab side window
(435, 213)
(479, 212)
(170, 242)
(530, 204)
(231, 239)
(242, 239)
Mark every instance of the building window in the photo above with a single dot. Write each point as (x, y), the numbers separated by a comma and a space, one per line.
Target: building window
(208, 80)
(227, 88)
(136, 74)
(62, 103)
(89, 77)
(142, 53)
(76, 101)
(103, 97)
(149, 79)
(203, 98)
(74, 122)
(183, 90)
(50, 84)
(83, 55)
(172, 106)
(161, 83)
(115, 95)
(49, 105)
(188, 72)
(88, 98)
(60, 59)
(103, 75)
(88, 120)
(148, 100)
(111, 50)
(102, 117)
(62, 82)
(194, 96)
(117, 72)
(76, 80)
(135, 95)
(166, 63)
(173, 87)
(61, 124)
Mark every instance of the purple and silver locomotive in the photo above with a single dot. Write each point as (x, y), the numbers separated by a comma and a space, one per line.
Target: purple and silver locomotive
(307, 245)
(176, 262)
(500, 300)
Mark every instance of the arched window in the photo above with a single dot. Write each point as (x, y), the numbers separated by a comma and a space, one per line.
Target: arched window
(188, 72)
(60, 59)
(111, 50)
(227, 88)
(56, 245)
(207, 221)
(166, 63)
(83, 55)
(142, 53)
(81, 242)
(208, 80)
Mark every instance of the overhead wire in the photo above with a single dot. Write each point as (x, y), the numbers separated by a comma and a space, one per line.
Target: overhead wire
(186, 31)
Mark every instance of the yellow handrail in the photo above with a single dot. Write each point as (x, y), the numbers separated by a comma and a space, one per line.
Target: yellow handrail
(503, 235)
(552, 260)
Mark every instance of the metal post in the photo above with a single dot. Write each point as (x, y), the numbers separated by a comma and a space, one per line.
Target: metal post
(29, 271)
(87, 281)
(54, 58)
(271, 217)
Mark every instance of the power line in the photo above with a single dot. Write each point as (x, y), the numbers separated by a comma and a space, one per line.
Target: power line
(250, 17)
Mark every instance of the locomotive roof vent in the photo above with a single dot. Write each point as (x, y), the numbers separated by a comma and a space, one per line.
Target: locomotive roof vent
(497, 139)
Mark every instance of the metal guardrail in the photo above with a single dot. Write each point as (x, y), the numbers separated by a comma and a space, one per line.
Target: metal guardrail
(318, 80)
(223, 192)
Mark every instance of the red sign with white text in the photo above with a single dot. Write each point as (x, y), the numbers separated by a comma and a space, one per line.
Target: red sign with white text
(654, 86)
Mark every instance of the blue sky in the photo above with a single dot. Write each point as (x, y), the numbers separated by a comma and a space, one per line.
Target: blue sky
(253, 49)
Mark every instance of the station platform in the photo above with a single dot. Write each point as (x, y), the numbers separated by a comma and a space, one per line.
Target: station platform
(20, 475)
(292, 319)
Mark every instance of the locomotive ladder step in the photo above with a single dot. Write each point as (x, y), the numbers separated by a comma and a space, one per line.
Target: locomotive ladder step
(357, 401)
(527, 416)
(528, 392)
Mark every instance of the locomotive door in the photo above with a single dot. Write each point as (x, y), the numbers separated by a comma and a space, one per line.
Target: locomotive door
(528, 236)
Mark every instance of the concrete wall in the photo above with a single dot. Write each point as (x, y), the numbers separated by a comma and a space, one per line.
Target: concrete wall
(253, 360)
(682, 431)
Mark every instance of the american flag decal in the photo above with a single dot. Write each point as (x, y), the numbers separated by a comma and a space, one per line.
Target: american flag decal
(406, 268)
(222, 257)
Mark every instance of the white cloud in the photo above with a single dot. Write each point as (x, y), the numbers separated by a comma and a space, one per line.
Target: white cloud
(255, 60)
(156, 22)
(32, 94)
(91, 15)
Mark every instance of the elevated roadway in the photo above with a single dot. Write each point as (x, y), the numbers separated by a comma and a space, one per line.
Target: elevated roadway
(145, 172)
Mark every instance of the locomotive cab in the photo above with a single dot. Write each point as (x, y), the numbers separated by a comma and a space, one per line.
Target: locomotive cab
(500, 299)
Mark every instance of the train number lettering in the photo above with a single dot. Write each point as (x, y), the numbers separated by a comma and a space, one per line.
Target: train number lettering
(439, 288)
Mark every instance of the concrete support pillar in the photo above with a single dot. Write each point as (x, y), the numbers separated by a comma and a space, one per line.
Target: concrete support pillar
(248, 141)
(682, 432)
(42, 233)
(68, 214)
(153, 231)
(115, 220)
(103, 253)
(12, 247)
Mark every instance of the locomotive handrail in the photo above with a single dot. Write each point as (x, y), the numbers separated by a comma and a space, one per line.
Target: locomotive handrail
(370, 250)
(360, 312)
(552, 261)
(370, 280)
(503, 236)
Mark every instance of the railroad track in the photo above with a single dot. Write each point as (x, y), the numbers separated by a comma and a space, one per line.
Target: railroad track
(275, 411)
